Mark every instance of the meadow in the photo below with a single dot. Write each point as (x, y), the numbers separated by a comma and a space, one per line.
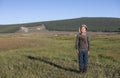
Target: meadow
(51, 55)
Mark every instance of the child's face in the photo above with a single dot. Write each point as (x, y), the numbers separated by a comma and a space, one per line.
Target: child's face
(83, 30)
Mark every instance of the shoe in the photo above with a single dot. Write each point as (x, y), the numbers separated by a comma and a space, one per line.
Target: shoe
(80, 70)
(85, 70)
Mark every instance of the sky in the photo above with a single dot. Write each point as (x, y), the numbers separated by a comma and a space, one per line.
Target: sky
(26, 11)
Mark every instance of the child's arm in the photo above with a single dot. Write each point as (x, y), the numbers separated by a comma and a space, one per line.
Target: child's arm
(88, 40)
(77, 43)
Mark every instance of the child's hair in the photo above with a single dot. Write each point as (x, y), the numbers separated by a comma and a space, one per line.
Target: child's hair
(83, 25)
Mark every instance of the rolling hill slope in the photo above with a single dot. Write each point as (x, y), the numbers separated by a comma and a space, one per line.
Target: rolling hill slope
(96, 24)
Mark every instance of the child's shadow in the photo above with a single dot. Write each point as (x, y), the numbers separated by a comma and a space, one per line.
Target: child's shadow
(52, 64)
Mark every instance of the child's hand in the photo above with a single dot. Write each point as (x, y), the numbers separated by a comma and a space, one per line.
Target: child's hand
(77, 51)
(88, 52)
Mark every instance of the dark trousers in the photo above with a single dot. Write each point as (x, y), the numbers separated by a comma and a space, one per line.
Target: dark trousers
(83, 59)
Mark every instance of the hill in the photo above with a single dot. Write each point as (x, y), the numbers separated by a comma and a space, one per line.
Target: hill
(96, 24)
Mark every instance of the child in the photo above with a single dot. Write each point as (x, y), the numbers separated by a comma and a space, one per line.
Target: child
(82, 47)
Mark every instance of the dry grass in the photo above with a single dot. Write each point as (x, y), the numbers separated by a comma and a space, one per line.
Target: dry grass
(52, 55)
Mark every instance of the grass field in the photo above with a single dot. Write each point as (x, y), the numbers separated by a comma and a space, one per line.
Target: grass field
(53, 56)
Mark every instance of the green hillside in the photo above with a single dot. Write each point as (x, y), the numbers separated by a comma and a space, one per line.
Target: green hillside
(94, 24)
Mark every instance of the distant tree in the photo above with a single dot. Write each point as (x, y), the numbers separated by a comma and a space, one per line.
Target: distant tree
(119, 29)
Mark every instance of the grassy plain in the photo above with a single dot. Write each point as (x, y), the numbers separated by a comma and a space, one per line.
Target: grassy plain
(52, 55)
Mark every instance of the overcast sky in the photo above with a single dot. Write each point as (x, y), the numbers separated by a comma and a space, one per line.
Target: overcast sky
(25, 11)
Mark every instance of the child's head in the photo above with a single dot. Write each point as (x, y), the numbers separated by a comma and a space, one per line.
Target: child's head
(83, 28)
